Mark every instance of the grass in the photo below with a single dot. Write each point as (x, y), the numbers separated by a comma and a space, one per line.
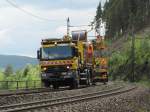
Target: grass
(145, 83)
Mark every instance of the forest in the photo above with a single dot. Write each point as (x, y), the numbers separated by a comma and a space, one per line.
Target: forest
(127, 20)
(123, 16)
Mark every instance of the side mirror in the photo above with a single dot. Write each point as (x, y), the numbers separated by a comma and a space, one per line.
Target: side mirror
(76, 52)
(38, 54)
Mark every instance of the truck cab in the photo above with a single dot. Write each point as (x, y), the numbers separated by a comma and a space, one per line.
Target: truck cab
(59, 63)
(62, 62)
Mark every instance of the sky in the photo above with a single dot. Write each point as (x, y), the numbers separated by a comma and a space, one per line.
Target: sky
(25, 22)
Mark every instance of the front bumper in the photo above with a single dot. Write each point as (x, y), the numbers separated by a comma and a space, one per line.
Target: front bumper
(61, 78)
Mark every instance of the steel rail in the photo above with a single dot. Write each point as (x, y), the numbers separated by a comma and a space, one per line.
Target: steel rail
(24, 91)
(34, 90)
(58, 101)
(31, 91)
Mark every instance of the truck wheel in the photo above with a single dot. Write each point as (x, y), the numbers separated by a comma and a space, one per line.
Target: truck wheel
(55, 86)
(89, 79)
(46, 84)
(94, 84)
(89, 82)
(74, 85)
(104, 83)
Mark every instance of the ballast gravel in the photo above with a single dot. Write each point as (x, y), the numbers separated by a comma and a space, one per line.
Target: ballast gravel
(137, 100)
(134, 101)
(15, 99)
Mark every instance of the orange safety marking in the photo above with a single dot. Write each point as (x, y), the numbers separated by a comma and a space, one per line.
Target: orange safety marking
(56, 62)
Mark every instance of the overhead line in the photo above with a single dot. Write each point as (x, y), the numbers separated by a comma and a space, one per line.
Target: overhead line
(79, 25)
(27, 12)
(14, 4)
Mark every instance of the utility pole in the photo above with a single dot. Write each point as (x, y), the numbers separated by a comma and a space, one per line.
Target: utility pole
(68, 26)
(133, 55)
(132, 29)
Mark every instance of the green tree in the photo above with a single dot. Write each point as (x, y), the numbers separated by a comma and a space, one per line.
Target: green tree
(98, 16)
(26, 71)
(8, 70)
(122, 15)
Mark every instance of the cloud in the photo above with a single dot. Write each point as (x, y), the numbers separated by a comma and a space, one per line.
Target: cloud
(5, 38)
(55, 4)
(21, 33)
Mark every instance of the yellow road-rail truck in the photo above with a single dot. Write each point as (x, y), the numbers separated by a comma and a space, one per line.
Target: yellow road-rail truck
(62, 61)
(100, 69)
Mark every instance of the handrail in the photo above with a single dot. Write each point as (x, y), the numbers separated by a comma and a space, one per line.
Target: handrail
(20, 84)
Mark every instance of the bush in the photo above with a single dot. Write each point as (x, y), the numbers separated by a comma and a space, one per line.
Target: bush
(26, 75)
(121, 62)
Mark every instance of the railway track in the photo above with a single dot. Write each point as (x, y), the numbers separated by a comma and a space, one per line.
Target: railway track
(24, 91)
(35, 90)
(50, 103)
(31, 91)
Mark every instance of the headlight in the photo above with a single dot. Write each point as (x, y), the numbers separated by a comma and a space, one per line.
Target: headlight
(43, 69)
(68, 67)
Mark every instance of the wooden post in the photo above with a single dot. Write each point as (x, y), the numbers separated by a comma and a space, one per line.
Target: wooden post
(26, 84)
(17, 85)
(7, 85)
(34, 84)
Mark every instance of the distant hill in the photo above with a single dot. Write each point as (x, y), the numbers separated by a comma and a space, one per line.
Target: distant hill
(17, 62)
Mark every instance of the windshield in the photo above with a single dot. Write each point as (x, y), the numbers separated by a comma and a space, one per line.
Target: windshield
(57, 52)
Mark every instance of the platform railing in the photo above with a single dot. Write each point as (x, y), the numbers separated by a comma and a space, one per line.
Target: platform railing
(14, 85)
